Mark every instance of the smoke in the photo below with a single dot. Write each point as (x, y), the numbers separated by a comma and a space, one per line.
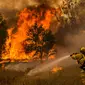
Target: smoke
(75, 42)
(70, 42)
(20, 4)
(9, 8)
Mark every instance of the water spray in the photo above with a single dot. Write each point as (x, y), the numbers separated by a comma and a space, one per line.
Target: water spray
(46, 66)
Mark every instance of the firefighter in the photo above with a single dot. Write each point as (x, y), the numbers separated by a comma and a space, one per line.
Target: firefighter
(80, 57)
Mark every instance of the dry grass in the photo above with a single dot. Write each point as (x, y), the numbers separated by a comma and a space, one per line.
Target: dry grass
(45, 78)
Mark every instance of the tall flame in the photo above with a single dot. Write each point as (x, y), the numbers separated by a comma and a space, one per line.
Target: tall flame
(14, 49)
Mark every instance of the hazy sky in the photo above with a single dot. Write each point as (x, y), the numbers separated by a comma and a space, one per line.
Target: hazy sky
(18, 4)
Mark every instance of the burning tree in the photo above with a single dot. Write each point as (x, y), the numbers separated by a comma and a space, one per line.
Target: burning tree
(32, 35)
(40, 40)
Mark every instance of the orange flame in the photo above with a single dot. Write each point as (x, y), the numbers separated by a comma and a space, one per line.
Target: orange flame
(51, 57)
(56, 69)
(14, 49)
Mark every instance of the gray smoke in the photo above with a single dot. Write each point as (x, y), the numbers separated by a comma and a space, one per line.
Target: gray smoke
(9, 8)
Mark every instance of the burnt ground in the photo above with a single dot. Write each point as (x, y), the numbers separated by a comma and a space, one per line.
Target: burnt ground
(68, 76)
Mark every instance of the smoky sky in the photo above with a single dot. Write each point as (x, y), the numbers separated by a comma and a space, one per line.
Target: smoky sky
(9, 8)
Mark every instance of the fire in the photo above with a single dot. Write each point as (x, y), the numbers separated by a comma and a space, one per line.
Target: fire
(28, 17)
(56, 69)
(51, 57)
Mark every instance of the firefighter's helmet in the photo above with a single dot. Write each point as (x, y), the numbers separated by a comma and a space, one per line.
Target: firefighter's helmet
(82, 50)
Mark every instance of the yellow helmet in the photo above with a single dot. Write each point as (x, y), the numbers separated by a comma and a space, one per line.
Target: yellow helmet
(82, 50)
